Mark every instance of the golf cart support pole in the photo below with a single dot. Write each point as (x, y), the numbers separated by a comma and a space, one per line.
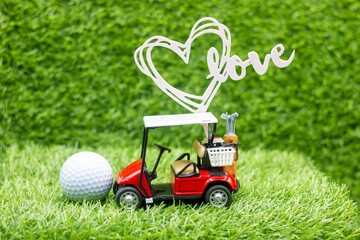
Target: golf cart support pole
(143, 155)
(144, 144)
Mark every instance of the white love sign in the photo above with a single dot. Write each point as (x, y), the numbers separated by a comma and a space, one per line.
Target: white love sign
(221, 65)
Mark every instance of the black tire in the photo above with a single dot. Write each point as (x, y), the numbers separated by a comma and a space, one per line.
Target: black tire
(115, 187)
(218, 196)
(237, 186)
(129, 198)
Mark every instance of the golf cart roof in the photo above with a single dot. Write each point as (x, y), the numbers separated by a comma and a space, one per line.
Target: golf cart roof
(179, 119)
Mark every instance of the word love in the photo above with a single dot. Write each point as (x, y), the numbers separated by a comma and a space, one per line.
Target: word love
(254, 60)
(220, 64)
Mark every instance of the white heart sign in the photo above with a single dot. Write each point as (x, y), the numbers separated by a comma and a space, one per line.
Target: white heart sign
(221, 66)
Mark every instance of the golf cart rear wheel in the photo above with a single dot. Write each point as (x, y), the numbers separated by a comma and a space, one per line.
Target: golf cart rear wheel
(129, 198)
(218, 196)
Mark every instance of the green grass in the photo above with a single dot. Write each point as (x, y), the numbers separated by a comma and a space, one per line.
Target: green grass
(67, 74)
(282, 197)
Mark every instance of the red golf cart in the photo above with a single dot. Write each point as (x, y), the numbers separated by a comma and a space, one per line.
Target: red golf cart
(204, 178)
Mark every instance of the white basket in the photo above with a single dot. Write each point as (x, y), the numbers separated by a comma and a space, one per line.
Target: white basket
(221, 156)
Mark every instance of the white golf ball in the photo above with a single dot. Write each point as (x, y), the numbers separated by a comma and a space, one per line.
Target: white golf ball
(86, 175)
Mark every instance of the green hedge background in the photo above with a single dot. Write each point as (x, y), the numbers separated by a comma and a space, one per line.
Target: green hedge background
(68, 76)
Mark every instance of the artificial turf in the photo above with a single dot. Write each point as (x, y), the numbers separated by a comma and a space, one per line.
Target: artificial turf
(282, 196)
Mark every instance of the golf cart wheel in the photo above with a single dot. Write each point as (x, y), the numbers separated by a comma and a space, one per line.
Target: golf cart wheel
(129, 198)
(218, 196)
(115, 187)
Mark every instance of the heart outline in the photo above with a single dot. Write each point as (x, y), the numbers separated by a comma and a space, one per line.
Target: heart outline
(217, 67)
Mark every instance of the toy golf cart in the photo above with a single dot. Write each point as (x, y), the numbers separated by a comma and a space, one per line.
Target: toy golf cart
(205, 178)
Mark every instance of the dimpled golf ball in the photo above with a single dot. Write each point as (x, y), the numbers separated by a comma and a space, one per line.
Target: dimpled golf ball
(86, 175)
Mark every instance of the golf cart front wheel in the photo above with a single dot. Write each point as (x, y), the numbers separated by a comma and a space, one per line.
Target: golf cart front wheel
(218, 196)
(115, 187)
(129, 198)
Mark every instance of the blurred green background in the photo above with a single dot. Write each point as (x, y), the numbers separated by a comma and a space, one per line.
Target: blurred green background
(68, 76)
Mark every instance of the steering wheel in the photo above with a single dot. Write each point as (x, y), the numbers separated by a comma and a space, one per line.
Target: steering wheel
(162, 147)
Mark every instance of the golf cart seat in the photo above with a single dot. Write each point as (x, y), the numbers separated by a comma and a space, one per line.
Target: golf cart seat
(184, 168)
(202, 156)
(199, 149)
